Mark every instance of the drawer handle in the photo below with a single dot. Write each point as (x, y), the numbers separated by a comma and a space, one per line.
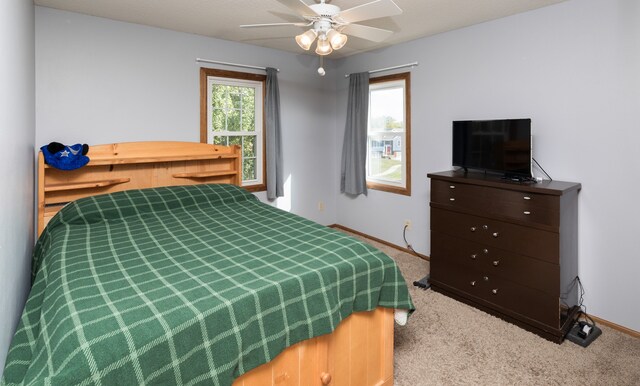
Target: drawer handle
(485, 227)
(495, 234)
(527, 212)
(494, 291)
(473, 256)
(473, 283)
(325, 378)
(527, 198)
(485, 278)
(473, 229)
(452, 199)
(496, 262)
(485, 251)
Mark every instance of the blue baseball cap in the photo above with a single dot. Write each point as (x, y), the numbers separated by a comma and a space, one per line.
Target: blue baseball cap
(65, 157)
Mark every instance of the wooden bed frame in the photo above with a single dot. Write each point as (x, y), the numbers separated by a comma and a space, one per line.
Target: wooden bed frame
(358, 352)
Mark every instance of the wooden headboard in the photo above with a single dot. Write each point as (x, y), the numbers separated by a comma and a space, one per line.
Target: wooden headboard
(135, 165)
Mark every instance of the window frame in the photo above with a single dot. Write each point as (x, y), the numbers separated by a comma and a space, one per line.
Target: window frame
(376, 184)
(205, 74)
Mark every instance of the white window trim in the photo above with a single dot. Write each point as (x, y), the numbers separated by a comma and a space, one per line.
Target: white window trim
(259, 103)
(381, 86)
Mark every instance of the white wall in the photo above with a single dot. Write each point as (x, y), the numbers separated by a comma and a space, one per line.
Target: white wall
(574, 68)
(17, 130)
(102, 81)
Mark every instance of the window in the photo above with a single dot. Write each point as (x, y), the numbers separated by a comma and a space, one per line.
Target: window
(231, 113)
(389, 134)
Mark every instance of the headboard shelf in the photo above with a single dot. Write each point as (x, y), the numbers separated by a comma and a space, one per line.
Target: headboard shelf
(119, 160)
(202, 174)
(135, 165)
(85, 185)
(141, 160)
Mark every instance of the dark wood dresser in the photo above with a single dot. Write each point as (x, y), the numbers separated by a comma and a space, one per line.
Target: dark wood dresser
(507, 248)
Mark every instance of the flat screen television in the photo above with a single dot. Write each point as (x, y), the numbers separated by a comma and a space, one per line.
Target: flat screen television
(498, 146)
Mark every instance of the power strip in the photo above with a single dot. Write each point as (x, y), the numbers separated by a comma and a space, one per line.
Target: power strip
(583, 333)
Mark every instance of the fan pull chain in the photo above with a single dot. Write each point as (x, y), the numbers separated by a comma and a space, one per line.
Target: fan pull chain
(321, 68)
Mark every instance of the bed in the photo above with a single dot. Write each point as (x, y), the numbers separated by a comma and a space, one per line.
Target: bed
(154, 267)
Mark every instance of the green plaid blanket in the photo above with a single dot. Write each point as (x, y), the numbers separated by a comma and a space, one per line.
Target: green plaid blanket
(186, 285)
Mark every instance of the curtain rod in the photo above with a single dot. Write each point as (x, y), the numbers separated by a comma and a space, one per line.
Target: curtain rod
(233, 64)
(390, 68)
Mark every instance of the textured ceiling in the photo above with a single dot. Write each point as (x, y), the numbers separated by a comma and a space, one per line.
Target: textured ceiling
(221, 18)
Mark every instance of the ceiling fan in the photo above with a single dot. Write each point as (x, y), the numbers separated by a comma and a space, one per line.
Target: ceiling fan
(331, 25)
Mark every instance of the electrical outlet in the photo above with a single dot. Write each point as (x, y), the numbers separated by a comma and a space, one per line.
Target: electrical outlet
(407, 224)
(320, 206)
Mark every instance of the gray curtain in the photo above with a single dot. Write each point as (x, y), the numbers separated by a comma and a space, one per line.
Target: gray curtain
(275, 183)
(353, 178)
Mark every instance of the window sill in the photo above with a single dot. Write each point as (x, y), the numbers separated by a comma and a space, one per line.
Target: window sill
(389, 188)
(256, 188)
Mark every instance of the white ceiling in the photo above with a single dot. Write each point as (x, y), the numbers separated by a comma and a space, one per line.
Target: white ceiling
(221, 18)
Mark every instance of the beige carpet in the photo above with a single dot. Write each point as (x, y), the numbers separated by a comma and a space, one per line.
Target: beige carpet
(449, 343)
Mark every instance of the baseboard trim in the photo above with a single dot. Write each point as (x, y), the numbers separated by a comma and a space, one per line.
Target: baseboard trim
(616, 327)
(407, 250)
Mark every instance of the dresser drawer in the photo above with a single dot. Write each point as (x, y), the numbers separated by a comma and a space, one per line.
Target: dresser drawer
(508, 295)
(529, 207)
(519, 239)
(532, 208)
(529, 272)
(463, 196)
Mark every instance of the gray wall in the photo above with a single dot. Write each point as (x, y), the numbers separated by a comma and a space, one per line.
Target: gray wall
(573, 68)
(17, 130)
(101, 81)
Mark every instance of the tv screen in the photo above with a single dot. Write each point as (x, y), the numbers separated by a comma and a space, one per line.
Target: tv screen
(501, 146)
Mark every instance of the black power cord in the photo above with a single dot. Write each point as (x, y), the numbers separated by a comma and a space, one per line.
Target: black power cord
(547, 174)
(583, 308)
(581, 291)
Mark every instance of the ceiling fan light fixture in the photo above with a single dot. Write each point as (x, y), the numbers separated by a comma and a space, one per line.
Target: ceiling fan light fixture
(306, 39)
(336, 39)
(323, 47)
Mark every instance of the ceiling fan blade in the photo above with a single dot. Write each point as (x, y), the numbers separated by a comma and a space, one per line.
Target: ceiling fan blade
(371, 10)
(365, 32)
(299, 6)
(274, 25)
